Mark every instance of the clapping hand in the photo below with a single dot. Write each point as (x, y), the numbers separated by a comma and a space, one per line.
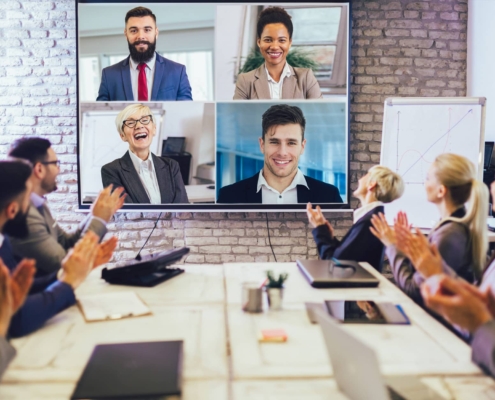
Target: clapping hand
(108, 202)
(14, 290)
(316, 218)
(382, 230)
(105, 251)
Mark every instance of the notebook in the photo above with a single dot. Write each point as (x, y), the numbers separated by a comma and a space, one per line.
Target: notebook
(108, 306)
(132, 370)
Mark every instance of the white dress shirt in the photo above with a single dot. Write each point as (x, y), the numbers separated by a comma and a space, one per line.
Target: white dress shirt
(150, 73)
(276, 87)
(147, 174)
(362, 211)
(270, 195)
(1, 240)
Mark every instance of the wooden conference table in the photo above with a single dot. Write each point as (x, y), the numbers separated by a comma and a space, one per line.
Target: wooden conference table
(223, 359)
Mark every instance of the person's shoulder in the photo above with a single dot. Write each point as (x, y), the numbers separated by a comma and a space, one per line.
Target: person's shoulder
(317, 184)
(170, 63)
(117, 66)
(325, 191)
(303, 72)
(241, 184)
(113, 165)
(250, 75)
(166, 161)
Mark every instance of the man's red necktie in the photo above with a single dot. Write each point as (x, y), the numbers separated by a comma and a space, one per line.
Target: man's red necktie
(142, 84)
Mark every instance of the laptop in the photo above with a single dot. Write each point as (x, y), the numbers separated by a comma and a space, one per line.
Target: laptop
(336, 274)
(148, 370)
(357, 372)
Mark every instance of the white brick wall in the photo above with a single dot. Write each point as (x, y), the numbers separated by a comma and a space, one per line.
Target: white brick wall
(400, 47)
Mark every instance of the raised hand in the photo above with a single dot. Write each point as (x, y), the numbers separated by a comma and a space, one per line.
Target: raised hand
(456, 303)
(425, 257)
(316, 218)
(6, 308)
(80, 260)
(21, 281)
(108, 202)
(105, 251)
(401, 220)
(382, 230)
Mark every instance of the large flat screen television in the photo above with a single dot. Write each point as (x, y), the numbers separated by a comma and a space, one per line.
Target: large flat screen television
(211, 106)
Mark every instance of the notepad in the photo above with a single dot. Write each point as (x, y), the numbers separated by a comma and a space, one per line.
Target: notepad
(108, 306)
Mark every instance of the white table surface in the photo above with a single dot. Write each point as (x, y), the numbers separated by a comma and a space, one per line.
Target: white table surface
(223, 359)
(201, 193)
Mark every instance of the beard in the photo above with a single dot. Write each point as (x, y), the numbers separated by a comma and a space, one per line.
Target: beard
(142, 56)
(17, 227)
(49, 187)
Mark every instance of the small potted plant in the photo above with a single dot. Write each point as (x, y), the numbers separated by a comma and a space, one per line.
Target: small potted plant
(274, 288)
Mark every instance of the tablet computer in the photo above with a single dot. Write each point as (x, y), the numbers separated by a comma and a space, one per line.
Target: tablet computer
(365, 312)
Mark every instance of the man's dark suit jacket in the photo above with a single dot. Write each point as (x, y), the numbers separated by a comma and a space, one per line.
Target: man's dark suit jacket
(359, 244)
(121, 172)
(47, 297)
(245, 192)
(169, 83)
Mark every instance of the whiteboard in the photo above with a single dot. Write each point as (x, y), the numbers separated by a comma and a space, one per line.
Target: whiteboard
(415, 131)
(101, 143)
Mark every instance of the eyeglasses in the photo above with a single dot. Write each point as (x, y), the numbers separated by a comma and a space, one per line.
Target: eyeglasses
(145, 120)
(55, 162)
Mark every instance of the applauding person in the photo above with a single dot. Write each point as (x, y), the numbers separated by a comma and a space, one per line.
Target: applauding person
(46, 241)
(459, 238)
(380, 185)
(13, 292)
(49, 294)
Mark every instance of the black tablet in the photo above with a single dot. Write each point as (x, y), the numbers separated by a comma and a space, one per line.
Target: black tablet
(365, 312)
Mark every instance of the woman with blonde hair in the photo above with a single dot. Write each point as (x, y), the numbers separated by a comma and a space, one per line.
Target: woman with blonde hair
(145, 177)
(460, 237)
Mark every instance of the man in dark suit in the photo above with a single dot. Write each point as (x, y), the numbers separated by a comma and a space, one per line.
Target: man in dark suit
(50, 294)
(280, 181)
(380, 185)
(144, 75)
(46, 241)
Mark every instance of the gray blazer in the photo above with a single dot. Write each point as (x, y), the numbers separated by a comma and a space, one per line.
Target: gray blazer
(47, 242)
(7, 353)
(121, 173)
(483, 345)
(301, 84)
(454, 244)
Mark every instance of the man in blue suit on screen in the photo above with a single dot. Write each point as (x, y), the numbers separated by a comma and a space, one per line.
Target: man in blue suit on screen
(144, 75)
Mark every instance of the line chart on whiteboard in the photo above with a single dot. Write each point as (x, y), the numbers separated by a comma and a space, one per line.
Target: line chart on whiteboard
(414, 157)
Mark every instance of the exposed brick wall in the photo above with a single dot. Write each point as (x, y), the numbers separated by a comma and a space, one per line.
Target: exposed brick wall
(401, 48)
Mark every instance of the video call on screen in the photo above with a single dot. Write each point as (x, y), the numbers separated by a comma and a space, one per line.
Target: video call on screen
(214, 106)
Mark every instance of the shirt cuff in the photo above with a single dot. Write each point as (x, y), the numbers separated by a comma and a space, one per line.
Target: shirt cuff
(99, 219)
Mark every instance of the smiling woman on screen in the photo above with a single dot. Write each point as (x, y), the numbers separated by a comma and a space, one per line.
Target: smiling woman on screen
(145, 177)
(276, 79)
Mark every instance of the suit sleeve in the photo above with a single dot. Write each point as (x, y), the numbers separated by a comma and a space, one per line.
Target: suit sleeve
(240, 92)
(110, 177)
(7, 353)
(483, 345)
(180, 195)
(40, 307)
(325, 244)
(103, 94)
(184, 86)
(68, 240)
(312, 87)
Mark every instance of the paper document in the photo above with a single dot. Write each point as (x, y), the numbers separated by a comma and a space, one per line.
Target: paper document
(100, 307)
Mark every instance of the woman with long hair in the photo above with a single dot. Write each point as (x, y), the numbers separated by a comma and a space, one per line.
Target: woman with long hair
(460, 237)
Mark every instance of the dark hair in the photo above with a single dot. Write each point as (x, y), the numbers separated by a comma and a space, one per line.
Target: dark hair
(32, 149)
(274, 15)
(139, 12)
(13, 176)
(283, 114)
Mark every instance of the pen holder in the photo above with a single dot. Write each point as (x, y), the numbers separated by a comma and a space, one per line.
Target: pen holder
(275, 297)
(252, 297)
